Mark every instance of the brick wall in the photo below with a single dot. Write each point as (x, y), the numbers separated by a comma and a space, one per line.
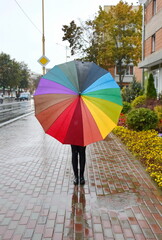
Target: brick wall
(158, 45)
(159, 5)
(153, 26)
(147, 47)
(138, 74)
(149, 10)
(112, 71)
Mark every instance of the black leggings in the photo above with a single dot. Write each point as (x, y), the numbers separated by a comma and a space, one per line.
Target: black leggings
(82, 159)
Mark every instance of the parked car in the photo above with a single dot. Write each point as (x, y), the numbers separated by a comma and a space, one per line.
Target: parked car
(1, 99)
(24, 96)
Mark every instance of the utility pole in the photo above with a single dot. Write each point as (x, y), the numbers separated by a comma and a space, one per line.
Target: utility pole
(43, 36)
(43, 60)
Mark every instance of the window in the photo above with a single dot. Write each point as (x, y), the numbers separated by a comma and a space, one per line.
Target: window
(127, 69)
(154, 7)
(153, 43)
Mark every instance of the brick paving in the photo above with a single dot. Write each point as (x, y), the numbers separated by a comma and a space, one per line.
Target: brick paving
(38, 200)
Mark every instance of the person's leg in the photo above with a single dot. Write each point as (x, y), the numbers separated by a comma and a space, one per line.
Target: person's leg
(82, 160)
(75, 162)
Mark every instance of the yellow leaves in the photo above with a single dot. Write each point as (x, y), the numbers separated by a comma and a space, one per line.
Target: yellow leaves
(147, 146)
(119, 31)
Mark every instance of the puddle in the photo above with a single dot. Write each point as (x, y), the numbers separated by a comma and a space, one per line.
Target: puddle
(115, 202)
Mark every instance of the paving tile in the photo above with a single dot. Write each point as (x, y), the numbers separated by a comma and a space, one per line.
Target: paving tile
(139, 237)
(99, 236)
(17, 237)
(24, 220)
(156, 229)
(59, 228)
(158, 236)
(128, 233)
(119, 236)
(28, 233)
(8, 234)
(143, 224)
(106, 224)
(57, 236)
(48, 233)
(78, 227)
(117, 229)
(108, 232)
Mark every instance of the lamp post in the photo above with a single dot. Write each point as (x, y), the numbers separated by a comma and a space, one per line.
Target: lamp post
(43, 36)
(66, 49)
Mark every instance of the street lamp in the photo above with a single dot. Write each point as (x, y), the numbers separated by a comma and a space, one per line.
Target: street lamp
(66, 49)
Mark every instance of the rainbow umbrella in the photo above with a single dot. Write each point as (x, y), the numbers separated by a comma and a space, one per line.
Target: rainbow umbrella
(77, 103)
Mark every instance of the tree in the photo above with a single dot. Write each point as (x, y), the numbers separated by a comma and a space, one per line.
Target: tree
(12, 73)
(119, 34)
(73, 34)
(5, 68)
(151, 91)
(81, 40)
(24, 81)
(114, 39)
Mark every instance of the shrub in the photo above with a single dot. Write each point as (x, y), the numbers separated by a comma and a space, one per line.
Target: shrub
(151, 91)
(147, 146)
(125, 92)
(158, 110)
(155, 171)
(138, 101)
(126, 107)
(142, 119)
(130, 92)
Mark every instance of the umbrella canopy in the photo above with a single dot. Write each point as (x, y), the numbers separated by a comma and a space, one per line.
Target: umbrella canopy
(77, 103)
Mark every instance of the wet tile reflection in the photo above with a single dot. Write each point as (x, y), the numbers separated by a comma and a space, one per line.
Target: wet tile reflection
(78, 226)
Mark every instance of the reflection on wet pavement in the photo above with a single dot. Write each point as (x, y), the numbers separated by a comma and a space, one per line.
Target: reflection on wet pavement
(78, 226)
(116, 202)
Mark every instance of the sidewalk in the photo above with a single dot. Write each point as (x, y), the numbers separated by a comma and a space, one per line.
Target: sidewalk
(38, 200)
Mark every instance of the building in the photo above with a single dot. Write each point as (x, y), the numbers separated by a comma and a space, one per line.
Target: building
(131, 70)
(152, 42)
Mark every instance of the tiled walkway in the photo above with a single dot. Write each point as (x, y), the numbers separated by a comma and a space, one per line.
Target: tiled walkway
(39, 201)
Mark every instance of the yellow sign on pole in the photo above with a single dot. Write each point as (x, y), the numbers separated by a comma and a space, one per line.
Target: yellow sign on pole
(43, 60)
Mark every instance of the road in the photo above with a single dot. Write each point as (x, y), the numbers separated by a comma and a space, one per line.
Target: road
(12, 110)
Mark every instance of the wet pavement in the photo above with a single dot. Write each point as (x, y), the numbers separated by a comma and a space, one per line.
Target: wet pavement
(38, 200)
(13, 109)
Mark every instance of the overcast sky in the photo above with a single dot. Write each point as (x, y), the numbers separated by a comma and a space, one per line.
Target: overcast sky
(21, 27)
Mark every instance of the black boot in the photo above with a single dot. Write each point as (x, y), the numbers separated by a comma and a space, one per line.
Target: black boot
(82, 180)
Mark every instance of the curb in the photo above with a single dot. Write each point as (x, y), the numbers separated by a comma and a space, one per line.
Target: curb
(15, 119)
